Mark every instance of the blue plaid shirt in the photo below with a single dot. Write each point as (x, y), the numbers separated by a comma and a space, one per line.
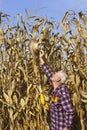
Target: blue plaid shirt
(61, 110)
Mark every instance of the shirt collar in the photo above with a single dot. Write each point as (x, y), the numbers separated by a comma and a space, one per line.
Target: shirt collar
(54, 90)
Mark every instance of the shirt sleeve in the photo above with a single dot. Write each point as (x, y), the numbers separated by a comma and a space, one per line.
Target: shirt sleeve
(47, 70)
(67, 107)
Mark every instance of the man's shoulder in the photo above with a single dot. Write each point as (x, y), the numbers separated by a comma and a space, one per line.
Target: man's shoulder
(64, 89)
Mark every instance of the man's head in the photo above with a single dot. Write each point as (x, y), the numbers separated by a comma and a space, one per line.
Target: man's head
(59, 76)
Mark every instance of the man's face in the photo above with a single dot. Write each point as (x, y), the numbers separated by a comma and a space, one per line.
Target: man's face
(55, 77)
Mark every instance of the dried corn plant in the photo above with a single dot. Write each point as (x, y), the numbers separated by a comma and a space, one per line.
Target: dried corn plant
(24, 88)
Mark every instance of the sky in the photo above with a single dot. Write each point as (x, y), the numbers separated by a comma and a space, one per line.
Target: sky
(49, 8)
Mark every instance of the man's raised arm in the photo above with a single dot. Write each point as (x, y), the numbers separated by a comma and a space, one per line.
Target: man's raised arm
(45, 67)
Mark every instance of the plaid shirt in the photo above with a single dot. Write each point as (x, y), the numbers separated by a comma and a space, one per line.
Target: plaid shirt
(61, 110)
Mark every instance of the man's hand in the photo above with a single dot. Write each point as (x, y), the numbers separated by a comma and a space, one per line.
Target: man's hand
(41, 54)
(65, 128)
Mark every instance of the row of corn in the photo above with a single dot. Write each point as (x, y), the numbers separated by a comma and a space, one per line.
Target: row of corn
(24, 88)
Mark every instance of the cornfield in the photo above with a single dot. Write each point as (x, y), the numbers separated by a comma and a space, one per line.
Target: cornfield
(24, 88)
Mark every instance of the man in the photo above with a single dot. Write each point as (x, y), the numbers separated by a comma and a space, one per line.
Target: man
(61, 110)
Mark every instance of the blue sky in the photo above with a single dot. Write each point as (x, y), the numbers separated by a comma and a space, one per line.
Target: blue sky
(49, 8)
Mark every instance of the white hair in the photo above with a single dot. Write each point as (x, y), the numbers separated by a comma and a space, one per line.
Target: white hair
(62, 75)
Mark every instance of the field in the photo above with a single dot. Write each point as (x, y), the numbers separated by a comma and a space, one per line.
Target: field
(24, 88)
